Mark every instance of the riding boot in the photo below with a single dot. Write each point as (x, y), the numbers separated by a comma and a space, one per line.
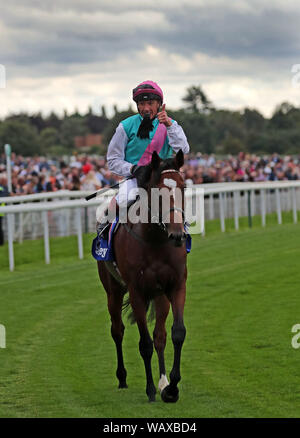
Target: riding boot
(110, 213)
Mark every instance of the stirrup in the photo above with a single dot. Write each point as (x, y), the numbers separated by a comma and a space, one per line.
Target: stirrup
(102, 229)
(186, 226)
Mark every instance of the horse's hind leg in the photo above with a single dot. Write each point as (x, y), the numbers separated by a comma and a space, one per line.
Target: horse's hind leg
(171, 392)
(115, 301)
(115, 294)
(162, 306)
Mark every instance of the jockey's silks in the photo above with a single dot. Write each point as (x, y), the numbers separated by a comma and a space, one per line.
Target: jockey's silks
(156, 145)
(136, 146)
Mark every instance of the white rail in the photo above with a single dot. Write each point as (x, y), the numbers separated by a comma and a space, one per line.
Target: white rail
(225, 192)
(49, 196)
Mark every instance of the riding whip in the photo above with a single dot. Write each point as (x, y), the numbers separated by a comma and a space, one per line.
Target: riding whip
(101, 191)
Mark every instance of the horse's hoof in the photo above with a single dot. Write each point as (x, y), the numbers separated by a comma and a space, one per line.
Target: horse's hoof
(170, 395)
(151, 398)
(123, 385)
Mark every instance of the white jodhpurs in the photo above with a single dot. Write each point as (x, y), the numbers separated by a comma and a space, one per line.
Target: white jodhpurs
(127, 192)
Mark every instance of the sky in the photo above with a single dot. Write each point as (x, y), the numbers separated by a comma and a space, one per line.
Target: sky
(57, 55)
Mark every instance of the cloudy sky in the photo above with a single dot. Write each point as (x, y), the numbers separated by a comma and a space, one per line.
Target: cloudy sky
(75, 53)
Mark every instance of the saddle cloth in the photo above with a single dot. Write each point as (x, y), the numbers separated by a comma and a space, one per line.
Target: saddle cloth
(102, 249)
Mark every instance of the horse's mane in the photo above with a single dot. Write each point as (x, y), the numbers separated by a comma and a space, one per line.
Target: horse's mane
(144, 173)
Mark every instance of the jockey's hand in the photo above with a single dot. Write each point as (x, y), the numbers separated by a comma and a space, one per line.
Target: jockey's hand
(142, 174)
(163, 117)
(134, 170)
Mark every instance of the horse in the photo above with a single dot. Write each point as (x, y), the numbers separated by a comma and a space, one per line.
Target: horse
(151, 258)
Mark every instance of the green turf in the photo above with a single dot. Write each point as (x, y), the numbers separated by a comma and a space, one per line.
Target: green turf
(237, 359)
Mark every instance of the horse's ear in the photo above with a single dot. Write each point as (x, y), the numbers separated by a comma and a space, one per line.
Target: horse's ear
(179, 159)
(155, 161)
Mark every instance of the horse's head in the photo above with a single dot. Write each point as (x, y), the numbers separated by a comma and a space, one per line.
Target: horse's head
(166, 195)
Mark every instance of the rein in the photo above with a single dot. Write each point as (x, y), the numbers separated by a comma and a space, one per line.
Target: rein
(161, 223)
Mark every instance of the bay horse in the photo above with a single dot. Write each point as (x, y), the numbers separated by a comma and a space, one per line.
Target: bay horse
(151, 258)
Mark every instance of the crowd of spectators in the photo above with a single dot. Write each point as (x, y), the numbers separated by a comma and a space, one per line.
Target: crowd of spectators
(35, 175)
(201, 169)
(38, 174)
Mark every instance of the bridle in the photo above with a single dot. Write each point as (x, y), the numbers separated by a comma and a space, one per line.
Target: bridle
(161, 223)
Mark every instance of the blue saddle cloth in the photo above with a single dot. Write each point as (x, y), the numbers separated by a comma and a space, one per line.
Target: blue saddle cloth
(188, 242)
(102, 249)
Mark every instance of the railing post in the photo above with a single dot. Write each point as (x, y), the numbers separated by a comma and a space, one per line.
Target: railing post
(201, 203)
(236, 206)
(249, 209)
(21, 225)
(46, 237)
(252, 203)
(222, 217)
(86, 227)
(79, 233)
(278, 206)
(263, 207)
(10, 237)
(294, 203)
(245, 202)
(211, 207)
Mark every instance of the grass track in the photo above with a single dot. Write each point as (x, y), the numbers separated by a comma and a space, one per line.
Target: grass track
(243, 299)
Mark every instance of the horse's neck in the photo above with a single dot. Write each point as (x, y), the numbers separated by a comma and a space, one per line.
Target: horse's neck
(151, 233)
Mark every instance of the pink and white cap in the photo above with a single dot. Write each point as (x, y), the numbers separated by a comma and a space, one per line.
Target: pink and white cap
(145, 89)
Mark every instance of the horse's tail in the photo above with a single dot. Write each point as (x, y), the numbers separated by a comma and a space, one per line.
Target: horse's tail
(150, 310)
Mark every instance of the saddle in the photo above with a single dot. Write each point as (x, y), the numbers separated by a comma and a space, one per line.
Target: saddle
(102, 249)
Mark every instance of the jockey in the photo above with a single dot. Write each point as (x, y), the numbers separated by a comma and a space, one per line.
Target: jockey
(137, 137)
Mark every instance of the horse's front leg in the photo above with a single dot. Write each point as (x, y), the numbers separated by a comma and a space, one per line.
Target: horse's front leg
(162, 306)
(170, 394)
(146, 343)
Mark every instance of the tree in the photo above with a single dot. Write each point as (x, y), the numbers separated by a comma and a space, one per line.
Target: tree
(103, 112)
(96, 124)
(197, 129)
(49, 137)
(38, 121)
(224, 123)
(253, 120)
(197, 101)
(70, 128)
(53, 121)
(233, 145)
(280, 118)
(116, 111)
(22, 137)
(113, 123)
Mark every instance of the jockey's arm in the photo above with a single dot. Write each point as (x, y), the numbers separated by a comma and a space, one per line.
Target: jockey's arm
(177, 138)
(116, 153)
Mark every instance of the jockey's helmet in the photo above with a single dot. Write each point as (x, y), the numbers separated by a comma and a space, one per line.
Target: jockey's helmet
(147, 90)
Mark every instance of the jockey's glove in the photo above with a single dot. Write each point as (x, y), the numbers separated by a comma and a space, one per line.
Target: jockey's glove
(134, 170)
(142, 174)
